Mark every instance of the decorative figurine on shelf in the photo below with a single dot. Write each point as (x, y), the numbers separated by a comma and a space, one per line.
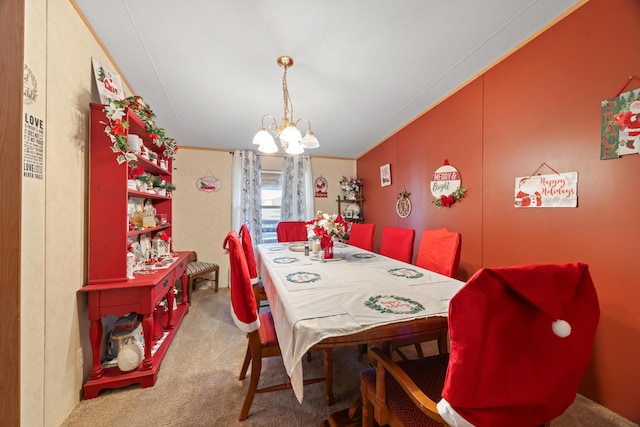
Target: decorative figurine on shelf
(161, 244)
(351, 188)
(149, 214)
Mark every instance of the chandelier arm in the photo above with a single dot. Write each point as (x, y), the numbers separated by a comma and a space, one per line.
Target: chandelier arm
(306, 120)
(273, 127)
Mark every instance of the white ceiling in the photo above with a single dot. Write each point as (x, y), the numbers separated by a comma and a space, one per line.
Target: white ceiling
(363, 68)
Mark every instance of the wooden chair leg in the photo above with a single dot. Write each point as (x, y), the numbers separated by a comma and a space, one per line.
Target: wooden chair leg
(419, 349)
(245, 364)
(256, 367)
(367, 407)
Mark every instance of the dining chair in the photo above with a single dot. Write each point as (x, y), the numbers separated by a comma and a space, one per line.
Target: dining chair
(439, 251)
(361, 236)
(521, 339)
(261, 334)
(397, 243)
(292, 231)
(250, 256)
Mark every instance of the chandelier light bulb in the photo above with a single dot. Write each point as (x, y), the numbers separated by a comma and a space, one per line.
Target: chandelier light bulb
(290, 134)
(262, 137)
(294, 148)
(309, 141)
(268, 146)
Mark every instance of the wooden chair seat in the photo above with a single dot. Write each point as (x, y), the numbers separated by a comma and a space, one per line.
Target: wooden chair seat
(427, 374)
(197, 271)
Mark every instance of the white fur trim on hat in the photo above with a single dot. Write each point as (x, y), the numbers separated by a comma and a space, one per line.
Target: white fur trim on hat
(451, 416)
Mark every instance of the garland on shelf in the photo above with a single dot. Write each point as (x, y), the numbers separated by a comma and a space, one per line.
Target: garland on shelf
(117, 130)
(447, 201)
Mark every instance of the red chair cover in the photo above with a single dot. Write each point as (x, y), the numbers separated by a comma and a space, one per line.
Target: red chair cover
(440, 251)
(249, 254)
(243, 302)
(397, 243)
(292, 231)
(361, 236)
(507, 366)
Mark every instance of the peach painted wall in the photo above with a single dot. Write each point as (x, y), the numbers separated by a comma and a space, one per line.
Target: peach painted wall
(540, 104)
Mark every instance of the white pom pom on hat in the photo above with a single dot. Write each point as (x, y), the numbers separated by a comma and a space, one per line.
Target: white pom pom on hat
(561, 328)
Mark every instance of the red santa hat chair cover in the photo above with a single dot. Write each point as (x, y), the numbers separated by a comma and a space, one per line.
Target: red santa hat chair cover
(521, 339)
(249, 254)
(247, 247)
(243, 302)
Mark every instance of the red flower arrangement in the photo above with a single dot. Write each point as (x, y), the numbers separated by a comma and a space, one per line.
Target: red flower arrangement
(326, 227)
(134, 171)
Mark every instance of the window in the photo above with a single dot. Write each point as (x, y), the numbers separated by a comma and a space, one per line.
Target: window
(271, 201)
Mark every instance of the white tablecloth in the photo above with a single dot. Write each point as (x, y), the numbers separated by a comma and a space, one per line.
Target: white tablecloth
(311, 301)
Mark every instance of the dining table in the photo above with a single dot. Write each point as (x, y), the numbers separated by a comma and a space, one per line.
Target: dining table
(357, 297)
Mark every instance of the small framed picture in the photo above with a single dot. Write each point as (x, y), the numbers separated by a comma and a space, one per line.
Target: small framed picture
(348, 214)
(385, 175)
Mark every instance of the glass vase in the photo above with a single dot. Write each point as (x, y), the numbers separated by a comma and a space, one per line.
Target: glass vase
(327, 248)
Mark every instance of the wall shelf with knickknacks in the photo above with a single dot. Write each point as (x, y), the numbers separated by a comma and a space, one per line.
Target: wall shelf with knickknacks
(352, 210)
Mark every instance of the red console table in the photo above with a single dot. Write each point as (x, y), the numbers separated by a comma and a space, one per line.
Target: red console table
(139, 295)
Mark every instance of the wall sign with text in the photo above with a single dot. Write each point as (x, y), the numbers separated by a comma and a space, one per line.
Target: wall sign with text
(558, 190)
(446, 186)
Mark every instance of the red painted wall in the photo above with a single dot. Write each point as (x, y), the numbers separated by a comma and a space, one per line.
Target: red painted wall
(541, 104)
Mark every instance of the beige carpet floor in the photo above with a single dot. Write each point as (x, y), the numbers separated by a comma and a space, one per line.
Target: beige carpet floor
(198, 383)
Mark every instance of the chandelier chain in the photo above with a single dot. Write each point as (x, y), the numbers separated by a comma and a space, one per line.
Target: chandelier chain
(288, 105)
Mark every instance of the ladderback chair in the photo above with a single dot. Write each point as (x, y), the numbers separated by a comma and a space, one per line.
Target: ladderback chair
(397, 243)
(291, 231)
(250, 256)
(361, 236)
(521, 339)
(260, 330)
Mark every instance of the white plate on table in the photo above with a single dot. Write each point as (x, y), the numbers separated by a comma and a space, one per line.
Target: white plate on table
(296, 247)
(335, 258)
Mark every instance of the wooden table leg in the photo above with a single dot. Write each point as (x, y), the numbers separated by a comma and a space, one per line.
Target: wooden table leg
(328, 376)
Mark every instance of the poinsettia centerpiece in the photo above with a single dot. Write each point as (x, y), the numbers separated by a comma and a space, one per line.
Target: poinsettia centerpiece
(326, 227)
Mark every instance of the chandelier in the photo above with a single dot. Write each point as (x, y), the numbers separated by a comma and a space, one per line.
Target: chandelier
(287, 131)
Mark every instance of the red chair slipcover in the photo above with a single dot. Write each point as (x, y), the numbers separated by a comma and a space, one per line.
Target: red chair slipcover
(249, 254)
(397, 243)
(292, 231)
(509, 364)
(361, 236)
(243, 302)
(440, 251)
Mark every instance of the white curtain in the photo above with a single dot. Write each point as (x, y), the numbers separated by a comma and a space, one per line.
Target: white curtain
(246, 193)
(297, 189)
